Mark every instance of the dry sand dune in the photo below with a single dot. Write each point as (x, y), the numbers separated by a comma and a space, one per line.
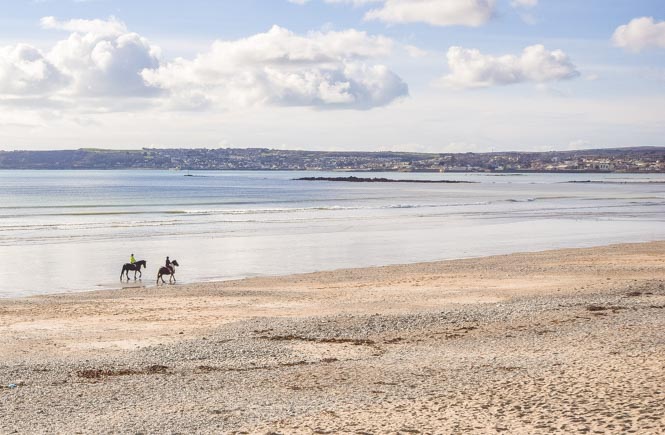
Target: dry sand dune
(558, 341)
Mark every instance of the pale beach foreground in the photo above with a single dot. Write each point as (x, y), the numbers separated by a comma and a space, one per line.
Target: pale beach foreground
(561, 341)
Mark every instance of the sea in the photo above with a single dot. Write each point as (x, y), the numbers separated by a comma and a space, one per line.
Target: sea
(70, 231)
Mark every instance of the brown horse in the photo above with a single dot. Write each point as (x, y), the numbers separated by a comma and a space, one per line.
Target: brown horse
(170, 270)
(136, 267)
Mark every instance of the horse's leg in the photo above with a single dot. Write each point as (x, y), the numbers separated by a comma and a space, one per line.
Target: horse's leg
(122, 273)
(159, 275)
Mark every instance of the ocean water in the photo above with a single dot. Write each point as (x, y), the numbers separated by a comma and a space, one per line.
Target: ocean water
(64, 231)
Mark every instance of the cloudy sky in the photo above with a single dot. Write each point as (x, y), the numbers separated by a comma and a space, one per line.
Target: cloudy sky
(416, 75)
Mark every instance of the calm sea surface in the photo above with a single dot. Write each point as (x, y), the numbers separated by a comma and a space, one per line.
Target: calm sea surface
(73, 230)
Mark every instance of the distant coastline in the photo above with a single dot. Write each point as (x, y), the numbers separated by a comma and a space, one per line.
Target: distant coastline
(615, 160)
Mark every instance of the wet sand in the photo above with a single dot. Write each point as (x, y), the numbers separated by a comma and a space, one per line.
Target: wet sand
(558, 341)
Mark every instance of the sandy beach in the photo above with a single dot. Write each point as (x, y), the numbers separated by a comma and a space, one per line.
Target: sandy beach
(558, 341)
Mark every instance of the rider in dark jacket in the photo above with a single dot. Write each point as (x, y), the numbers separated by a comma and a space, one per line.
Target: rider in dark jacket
(168, 262)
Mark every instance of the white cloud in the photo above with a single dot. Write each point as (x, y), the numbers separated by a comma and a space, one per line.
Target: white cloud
(25, 71)
(102, 57)
(102, 60)
(323, 69)
(111, 26)
(469, 68)
(415, 52)
(435, 12)
(640, 33)
(472, 13)
(98, 59)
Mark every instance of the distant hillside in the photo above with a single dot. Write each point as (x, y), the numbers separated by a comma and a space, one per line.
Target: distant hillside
(639, 159)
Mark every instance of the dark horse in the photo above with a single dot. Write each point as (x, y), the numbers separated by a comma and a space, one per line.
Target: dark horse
(136, 267)
(170, 270)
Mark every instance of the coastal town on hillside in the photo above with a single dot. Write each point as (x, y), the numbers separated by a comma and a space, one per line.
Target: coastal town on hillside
(625, 160)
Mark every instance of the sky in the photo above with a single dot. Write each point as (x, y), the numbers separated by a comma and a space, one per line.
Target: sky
(363, 75)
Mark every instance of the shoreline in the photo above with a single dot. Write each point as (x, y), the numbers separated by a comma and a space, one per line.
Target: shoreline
(564, 340)
(149, 285)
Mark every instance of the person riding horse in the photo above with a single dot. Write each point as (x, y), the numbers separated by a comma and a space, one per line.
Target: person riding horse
(136, 267)
(168, 269)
